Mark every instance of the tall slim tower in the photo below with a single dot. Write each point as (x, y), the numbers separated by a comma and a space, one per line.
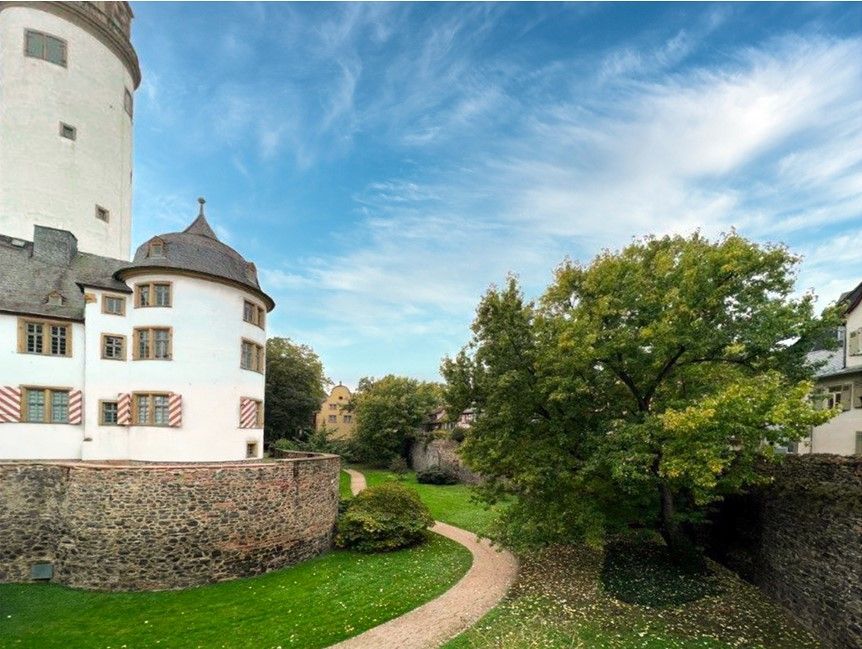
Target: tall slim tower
(68, 73)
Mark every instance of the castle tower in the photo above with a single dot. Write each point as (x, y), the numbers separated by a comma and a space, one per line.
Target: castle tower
(68, 74)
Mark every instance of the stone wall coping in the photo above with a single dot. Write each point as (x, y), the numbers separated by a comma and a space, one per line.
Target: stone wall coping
(170, 466)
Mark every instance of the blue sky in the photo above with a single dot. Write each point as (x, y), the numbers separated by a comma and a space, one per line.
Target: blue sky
(383, 164)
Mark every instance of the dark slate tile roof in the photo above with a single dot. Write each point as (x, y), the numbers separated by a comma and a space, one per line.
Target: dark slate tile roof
(27, 280)
(828, 362)
(198, 249)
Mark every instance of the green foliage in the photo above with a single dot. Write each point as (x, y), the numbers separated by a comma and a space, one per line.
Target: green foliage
(295, 387)
(647, 574)
(458, 434)
(383, 518)
(640, 389)
(399, 467)
(388, 412)
(317, 441)
(436, 475)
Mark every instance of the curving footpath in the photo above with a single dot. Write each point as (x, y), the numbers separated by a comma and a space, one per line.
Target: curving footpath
(485, 584)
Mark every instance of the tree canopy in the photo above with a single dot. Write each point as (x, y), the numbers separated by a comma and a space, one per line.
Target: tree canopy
(295, 388)
(641, 388)
(388, 412)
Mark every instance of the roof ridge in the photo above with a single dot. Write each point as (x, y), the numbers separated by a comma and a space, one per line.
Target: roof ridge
(201, 227)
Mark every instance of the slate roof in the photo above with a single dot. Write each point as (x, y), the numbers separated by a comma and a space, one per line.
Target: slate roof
(27, 280)
(198, 249)
(830, 361)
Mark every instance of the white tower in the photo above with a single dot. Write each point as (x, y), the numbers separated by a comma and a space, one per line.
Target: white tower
(68, 73)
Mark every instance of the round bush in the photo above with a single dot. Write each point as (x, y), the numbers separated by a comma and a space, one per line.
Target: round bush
(383, 518)
(437, 475)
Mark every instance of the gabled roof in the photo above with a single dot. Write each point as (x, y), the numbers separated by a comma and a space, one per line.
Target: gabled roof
(852, 298)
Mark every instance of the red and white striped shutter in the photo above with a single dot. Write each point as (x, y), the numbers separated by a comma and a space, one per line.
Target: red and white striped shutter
(124, 410)
(76, 407)
(247, 412)
(175, 410)
(10, 405)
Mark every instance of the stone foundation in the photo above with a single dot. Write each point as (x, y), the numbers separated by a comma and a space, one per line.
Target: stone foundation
(800, 541)
(136, 526)
(444, 453)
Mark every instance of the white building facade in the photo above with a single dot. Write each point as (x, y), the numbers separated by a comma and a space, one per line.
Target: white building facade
(160, 358)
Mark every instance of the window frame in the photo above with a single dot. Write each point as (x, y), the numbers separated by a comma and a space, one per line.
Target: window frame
(249, 446)
(72, 129)
(129, 106)
(108, 296)
(47, 404)
(259, 360)
(258, 318)
(346, 419)
(259, 411)
(102, 403)
(64, 63)
(123, 347)
(151, 409)
(151, 352)
(23, 321)
(152, 288)
(103, 214)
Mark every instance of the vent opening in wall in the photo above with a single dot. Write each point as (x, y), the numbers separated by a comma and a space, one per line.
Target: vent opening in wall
(42, 571)
(102, 214)
(251, 450)
(68, 132)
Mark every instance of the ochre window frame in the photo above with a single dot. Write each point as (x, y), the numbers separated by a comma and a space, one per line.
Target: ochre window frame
(259, 357)
(106, 297)
(136, 349)
(124, 349)
(151, 409)
(102, 421)
(63, 64)
(23, 321)
(152, 286)
(49, 403)
(259, 317)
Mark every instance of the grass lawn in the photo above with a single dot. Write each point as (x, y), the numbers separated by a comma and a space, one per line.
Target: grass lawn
(453, 504)
(313, 604)
(344, 486)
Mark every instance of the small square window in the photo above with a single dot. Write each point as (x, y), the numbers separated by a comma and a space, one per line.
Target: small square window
(333, 419)
(109, 413)
(113, 305)
(113, 347)
(102, 214)
(251, 450)
(68, 132)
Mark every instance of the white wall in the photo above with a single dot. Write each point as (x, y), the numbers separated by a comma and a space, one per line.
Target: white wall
(49, 180)
(837, 436)
(39, 441)
(207, 323)
(854, 323)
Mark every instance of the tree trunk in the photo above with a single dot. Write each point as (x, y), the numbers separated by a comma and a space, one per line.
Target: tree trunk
(682, 548)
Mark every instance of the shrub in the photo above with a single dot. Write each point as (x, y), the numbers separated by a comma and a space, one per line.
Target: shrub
(437, 475)
(399, 467)
(457, 434)
(383, 518)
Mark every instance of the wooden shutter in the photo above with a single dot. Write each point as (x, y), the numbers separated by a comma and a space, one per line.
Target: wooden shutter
(10, 405)
(247, 412)
(175, 410)
(846, 396)
(857, 393)
(853, 343)
(124, 410)
(76, 407)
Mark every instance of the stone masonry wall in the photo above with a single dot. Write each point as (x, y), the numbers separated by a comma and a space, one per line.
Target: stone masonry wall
(148, 527)
(441, 452)
(800, 541)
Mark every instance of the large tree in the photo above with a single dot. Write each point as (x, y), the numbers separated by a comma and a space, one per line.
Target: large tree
(641, 388)
(295, 388)
(388, 412)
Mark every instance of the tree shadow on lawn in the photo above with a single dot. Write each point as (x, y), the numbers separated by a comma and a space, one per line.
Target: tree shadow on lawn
(646, 574)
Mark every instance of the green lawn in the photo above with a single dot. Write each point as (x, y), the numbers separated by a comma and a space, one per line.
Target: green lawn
(453, 504)
(313, 604)
(344, 486)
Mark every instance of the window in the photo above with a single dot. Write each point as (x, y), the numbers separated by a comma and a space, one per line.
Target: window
(45, 405)
(102, 214)
(152, 343)
(113, 305)
(68, 132)
(333, 419)
(44, 337)
(859, 442)
(838, 396)
(150, 409)
(128, 102)
(113, 347)
(854, 346)
(252, 357)
(348, 419)
(45, 47)
(250, 450)
(333, 406)
(253, 313)
(108, 413)
(55, 299)
(153, 294)
(156, 248)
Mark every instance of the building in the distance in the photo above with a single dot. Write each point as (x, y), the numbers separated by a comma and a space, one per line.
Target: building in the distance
(839, 383)
(333, 415)
(159, 358)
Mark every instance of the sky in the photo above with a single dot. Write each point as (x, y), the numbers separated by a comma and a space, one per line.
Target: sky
(384, 164)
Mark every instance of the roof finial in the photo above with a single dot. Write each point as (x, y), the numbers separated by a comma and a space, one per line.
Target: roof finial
(201, 200)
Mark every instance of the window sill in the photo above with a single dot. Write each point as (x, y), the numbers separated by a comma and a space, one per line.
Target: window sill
(48, 355)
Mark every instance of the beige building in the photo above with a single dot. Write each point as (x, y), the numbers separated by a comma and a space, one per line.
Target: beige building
(839, 380)
(333, 415)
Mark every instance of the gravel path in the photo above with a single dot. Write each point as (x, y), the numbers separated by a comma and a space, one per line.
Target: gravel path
(429, 626)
